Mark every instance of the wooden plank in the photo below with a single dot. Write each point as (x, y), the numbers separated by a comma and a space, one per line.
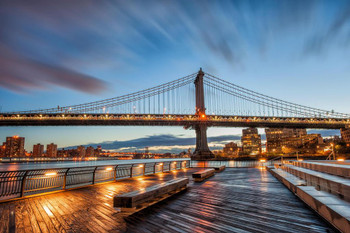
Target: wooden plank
(132, 199)
(237, 200)
(203, 174)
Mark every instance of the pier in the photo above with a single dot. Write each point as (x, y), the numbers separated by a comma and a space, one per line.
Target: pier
(236, 200)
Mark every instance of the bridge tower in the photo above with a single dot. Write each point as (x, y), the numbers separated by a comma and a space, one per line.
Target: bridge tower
(202, 151)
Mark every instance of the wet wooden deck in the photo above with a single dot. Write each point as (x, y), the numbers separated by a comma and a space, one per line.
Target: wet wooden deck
(236, 200)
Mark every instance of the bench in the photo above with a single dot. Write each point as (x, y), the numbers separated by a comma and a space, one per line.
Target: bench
(143, 198)
(219, 169)
(202, 175)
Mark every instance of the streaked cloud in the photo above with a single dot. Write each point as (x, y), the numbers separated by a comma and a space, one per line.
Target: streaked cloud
(63, 43)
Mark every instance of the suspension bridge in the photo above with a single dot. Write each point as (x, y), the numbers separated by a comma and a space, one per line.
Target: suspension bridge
(210, 102)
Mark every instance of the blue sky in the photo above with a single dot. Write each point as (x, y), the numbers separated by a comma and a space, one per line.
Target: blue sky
(71, 52)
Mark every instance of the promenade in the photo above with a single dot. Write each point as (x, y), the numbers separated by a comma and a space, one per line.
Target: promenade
(236, 200)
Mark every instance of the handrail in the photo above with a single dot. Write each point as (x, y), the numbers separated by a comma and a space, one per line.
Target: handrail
(21, 183)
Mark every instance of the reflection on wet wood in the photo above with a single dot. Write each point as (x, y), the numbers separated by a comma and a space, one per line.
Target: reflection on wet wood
(236, 200)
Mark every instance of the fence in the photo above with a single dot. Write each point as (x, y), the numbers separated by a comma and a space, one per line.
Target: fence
(234, 164)
(15, 184)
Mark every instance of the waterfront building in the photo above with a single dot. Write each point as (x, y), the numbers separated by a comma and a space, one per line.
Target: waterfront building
(345, 135)
(2, 149)
(81, 151)
(309, 143)
(90, 151)
(231, 149)
(51, 150)
(38, 150)
(276, 138)
(14, 147)
(251, 141)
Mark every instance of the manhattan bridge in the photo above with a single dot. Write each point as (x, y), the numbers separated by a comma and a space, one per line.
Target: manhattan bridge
(210, 102)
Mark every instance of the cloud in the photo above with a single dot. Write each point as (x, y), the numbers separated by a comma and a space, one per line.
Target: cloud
(20, 74)
(164, 143)
(67, 40)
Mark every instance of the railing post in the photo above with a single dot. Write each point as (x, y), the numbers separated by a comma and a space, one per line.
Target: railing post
(162, 167)
(132, 165)
(93, 176)
(115, 172)
(65, 179)
(23, 183)
(154, 168)
(144, 168)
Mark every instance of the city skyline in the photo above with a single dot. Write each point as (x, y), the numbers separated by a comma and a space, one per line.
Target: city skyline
(292, 58)
(165, 142)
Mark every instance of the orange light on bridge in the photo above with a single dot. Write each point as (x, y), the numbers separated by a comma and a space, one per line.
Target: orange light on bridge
(203, 116)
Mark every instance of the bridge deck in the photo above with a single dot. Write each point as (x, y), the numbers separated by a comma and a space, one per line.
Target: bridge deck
(235, 200)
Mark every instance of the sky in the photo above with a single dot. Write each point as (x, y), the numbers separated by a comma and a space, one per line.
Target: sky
(73, 51)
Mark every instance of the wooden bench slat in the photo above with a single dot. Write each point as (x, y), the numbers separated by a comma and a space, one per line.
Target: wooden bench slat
(201, 175)
(132, 199)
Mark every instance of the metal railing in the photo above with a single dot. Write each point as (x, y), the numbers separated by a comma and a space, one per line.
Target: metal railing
(234, 164)
(16, 184)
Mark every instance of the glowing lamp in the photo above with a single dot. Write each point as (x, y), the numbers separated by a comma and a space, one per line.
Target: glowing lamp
(340, 159)
(161, 164)
(51, 174)
(300, 159)
(262, 160)
(141, 165)
(109, 169)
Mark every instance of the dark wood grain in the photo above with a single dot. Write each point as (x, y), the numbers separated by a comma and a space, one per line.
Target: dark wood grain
(235, 200)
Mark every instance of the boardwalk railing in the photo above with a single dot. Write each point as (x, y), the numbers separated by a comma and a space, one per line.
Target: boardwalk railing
(15, 184)
(235, 164)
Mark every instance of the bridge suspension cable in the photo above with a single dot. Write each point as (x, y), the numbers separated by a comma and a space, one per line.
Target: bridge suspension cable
(178, 97)
(231, 99)
(169, 98)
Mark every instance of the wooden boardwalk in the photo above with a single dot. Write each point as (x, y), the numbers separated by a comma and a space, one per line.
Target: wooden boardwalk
(236, 200)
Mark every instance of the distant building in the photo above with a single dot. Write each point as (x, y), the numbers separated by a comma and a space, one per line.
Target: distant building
(231, 149)
(51, 150)
(276, 138)
(14, 147)
(2, 149)
(345, 135)
(62, 153)
(81, 151)
(251, 141)
(98, 151)
(38, 150)
(90, 151)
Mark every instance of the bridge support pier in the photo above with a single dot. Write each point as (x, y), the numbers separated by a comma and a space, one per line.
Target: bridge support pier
(202, 151)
